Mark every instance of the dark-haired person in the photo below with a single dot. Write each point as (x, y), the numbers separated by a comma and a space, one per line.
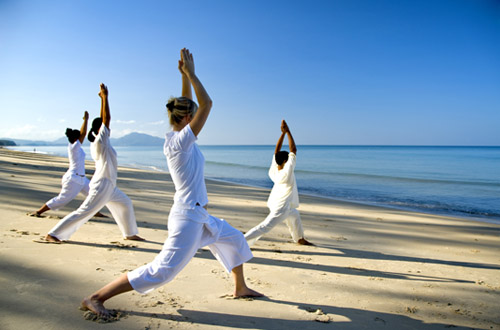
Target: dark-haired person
(284, 198)
(190, 226)
(74, 180)
(103, 190)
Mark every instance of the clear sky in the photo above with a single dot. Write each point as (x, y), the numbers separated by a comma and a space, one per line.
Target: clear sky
(399, 72)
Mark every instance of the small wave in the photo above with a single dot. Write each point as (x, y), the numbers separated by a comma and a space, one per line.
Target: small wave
(236, 165)
(387, 178)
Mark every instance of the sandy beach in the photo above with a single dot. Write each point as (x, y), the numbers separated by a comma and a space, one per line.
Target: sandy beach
(372, 268)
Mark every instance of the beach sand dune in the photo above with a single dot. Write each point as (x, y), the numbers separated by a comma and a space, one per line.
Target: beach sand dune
(372, 268)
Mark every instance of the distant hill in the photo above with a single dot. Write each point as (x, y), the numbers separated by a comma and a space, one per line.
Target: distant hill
(7, 143)
(132, 139)
(137, 139)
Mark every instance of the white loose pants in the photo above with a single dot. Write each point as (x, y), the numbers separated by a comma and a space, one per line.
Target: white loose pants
(102, 193)
(285, 213)
(185, 236)
(72, 184)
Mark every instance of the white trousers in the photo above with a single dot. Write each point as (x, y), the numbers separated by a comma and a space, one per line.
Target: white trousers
(102, 193)
(71, 186)
(285, 213)
(185, 237)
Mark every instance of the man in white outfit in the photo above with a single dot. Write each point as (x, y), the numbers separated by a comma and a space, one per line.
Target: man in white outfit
(284, 198)
(103, 190)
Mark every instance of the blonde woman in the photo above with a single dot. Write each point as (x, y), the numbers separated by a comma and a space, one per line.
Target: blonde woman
(190, 226)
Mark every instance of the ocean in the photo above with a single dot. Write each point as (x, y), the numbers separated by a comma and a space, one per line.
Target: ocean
(455, 181)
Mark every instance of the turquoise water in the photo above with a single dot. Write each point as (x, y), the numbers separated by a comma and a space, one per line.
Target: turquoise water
(458, 181)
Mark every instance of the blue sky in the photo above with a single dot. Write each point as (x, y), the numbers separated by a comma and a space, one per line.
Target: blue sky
(340, 72)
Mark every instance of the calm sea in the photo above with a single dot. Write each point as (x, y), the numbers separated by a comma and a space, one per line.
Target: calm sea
(458, 181)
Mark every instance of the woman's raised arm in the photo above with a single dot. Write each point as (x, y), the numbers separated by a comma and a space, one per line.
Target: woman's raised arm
(83, 129)
(186, 65)
(105, 114)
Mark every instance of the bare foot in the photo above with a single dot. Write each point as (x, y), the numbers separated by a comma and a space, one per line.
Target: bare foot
(303, 241)
(50, 238)
(247, 292)
(95, 306)
(34, 214)
(100, 215)
(135, 238)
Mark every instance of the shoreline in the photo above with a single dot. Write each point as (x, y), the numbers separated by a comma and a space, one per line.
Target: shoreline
(456, 214)
(371, 268)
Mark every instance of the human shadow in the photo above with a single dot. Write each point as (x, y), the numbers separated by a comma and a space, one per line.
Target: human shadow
(354, 271)
(360, 254)
(340, 317)
(128, 245)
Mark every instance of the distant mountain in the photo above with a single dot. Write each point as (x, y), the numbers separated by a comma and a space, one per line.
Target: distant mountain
(7, 143)
(34, 143)
(129, 140)
(137, 139)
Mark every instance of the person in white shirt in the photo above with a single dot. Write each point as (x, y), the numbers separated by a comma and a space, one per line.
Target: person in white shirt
(102, 189)
(284, 198)
(74, 180)
(190, 226)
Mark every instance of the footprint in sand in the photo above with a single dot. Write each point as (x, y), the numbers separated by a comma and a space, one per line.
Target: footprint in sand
(114, 316)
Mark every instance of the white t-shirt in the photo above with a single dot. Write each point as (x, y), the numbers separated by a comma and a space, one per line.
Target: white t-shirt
(76, 157)
(285, 188)
(186, 165)
(106, 164)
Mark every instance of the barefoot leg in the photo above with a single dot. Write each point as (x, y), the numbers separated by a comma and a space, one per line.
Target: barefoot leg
(40, 211)
(135, 238)
(50, 238)
(95, 302)
(240, 287)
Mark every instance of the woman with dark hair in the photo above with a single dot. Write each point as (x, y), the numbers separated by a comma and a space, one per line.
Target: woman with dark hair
(190, 226)
(74, 180)
(103, 189)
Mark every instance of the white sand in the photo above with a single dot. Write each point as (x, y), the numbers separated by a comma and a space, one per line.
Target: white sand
(372, 268)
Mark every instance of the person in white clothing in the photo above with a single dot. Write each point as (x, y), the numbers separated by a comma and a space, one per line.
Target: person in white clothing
(103, 190)
(74, 180)
(190, 226)
(284, 198)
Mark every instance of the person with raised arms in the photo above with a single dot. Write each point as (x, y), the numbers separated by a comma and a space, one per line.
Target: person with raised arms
(103, 190)
(74, 180)
(190, 226)
(284, 198)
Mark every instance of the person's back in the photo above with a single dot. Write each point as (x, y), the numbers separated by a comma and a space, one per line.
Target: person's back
(284, 197)
(285, 187)
(104, 155)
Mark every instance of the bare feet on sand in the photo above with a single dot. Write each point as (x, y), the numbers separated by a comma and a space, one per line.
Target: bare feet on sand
(95, 306)
(135, 238)
(100, 215)
(53, 239)
(247, 292)
(303, 241)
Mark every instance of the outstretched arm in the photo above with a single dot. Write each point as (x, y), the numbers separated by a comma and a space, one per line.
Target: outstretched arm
(204, 101)
(186, 84)
(291, 142)
(83, 129)
(105, 114)
(279, 144)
